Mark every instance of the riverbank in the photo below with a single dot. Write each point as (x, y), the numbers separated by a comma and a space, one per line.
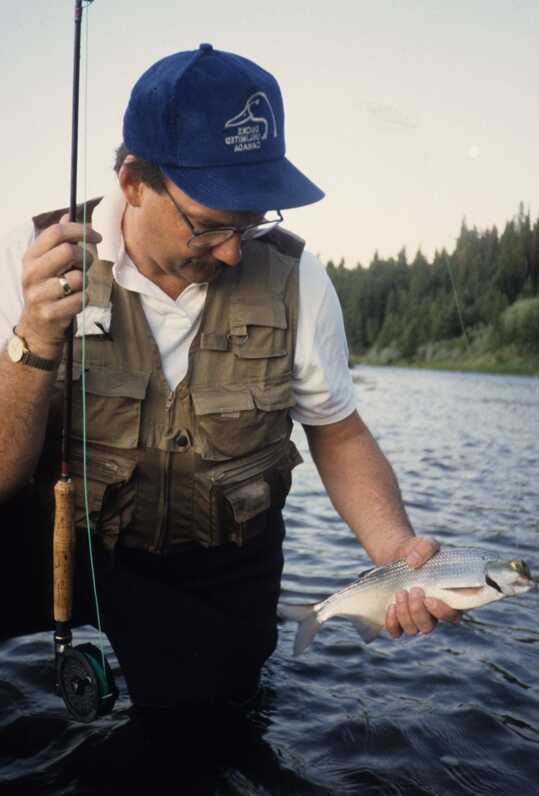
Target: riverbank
(504, 361)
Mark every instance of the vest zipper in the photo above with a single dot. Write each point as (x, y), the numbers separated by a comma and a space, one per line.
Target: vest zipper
(170, 400)
(164, 508)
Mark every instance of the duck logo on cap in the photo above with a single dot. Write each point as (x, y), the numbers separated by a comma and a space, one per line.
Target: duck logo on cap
(253, 124)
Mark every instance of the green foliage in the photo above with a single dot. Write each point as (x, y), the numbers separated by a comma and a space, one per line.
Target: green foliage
(519, 325)
(485, 293)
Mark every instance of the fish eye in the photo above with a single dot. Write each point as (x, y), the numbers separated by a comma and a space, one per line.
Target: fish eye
(521, 567)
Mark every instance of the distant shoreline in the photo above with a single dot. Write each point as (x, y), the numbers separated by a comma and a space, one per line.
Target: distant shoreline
(519, 366)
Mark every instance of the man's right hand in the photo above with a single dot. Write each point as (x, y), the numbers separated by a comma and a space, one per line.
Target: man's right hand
(47, 311)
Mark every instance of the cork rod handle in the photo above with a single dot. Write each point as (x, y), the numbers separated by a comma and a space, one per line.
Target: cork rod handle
(63, 550)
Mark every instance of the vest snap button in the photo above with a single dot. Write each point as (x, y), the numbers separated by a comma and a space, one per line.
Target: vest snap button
(182, 440)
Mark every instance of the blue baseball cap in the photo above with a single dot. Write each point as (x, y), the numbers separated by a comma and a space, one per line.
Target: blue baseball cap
(214, 123)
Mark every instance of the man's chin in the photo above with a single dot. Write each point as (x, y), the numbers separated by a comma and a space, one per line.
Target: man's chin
(199, 271)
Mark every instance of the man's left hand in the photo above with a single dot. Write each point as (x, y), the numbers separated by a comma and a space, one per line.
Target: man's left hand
(414, 613)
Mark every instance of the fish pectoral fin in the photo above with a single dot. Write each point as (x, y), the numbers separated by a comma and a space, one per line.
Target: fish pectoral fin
(465, 591)
(367, 628)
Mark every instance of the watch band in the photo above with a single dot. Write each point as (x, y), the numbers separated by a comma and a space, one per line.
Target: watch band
(40, 362)
(20, 353)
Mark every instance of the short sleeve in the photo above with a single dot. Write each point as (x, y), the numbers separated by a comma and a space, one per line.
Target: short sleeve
(12, 249)
(323, 386)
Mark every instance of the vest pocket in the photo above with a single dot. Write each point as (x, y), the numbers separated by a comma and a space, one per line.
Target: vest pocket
(230, 496)
(111, 492)
(258, 330)
(113, 406)
(233, 422)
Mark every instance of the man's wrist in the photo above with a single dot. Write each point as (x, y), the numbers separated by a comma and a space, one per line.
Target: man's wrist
(40, 346)
(393, 550)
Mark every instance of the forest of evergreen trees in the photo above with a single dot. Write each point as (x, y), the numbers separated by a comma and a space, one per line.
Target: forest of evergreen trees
(486, 290)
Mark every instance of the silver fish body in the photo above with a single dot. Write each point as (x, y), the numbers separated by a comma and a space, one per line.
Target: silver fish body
(463, 578)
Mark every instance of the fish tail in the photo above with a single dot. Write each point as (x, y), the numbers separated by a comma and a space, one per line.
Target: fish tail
(308, 624)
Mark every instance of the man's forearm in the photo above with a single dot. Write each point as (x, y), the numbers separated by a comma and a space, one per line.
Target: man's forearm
(361, 485)
(24, 405)
(52, 283)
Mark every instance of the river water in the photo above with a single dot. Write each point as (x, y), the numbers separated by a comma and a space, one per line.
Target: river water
(456, 712)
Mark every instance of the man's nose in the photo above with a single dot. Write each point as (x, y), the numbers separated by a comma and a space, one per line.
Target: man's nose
(229, 252)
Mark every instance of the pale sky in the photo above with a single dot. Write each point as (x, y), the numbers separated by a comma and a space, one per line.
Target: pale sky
(409, 114)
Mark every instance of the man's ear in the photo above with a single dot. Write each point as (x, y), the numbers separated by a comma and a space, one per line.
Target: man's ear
(130, 184)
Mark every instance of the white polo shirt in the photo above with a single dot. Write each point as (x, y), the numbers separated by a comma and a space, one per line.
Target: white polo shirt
(322, 383)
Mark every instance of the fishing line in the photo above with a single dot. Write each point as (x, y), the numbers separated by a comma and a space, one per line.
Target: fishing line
(457, 303)
(85, 61)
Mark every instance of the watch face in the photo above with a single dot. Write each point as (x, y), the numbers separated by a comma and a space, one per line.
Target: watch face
(15, 349)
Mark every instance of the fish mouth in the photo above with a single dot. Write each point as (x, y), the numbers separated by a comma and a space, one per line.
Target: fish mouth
(521, 583)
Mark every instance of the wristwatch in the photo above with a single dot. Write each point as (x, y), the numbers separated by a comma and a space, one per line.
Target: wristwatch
(18, 351)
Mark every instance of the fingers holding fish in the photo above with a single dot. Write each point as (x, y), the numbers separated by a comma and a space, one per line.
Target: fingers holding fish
(442, 611)
(421, 617)
(420, 549)
(392, 623)
(412, 613)
(403, 613)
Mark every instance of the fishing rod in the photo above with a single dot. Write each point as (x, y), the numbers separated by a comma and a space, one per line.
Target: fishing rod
(83, 676)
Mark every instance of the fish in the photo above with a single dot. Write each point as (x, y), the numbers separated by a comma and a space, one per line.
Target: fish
(464, 578)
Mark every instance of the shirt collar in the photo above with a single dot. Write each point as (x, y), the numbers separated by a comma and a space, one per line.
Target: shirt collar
(107, 219)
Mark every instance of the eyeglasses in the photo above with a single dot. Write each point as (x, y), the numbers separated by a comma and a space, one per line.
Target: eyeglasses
(209, 238)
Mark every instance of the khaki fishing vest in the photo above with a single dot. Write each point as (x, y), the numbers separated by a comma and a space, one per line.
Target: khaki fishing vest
(202, 463)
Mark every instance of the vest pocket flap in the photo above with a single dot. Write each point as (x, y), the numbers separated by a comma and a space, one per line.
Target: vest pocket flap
(117, 383)
(108, 469)
(111, 492)
(248, 500)
(274, 396)
(260, 311)
(222, 402)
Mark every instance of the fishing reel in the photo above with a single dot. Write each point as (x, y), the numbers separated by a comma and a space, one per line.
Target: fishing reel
(84, 680)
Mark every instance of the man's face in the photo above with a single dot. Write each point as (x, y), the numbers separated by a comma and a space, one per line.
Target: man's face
(167, 220)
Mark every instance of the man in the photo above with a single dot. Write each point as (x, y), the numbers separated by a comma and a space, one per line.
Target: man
(208, 329)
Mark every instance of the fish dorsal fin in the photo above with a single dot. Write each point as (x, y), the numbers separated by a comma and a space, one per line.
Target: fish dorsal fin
(383, 569)
(365, 573)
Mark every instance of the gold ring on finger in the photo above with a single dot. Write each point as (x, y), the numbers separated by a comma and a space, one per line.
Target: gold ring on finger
(67, 290)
